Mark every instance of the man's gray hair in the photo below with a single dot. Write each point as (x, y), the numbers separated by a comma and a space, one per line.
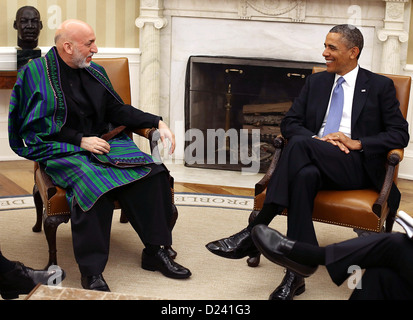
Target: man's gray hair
(351, 35)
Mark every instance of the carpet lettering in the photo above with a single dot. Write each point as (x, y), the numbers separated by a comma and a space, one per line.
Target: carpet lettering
(222, 201)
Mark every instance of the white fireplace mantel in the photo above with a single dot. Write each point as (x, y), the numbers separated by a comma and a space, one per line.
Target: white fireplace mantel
(283, 29)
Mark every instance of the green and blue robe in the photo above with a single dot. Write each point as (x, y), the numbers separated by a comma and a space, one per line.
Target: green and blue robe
(38, 110)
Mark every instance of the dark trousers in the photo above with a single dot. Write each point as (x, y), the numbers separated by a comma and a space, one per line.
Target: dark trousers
(5, 264)
(147, 203)
(388, 262)
(306, 166)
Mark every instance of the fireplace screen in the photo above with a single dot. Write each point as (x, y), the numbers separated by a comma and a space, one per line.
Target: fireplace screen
(233, 109)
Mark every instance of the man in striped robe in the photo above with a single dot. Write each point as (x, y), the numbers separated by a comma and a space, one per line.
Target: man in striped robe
(60, 107)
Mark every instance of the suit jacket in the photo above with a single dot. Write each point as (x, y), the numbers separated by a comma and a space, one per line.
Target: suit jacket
(376, 119)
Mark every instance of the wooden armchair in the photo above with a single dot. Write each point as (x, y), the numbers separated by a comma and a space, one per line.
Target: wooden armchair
(50, 201)
(359, 209)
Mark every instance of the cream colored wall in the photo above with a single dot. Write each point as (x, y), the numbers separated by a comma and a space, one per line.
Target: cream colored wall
(113, 20)
(410, 48)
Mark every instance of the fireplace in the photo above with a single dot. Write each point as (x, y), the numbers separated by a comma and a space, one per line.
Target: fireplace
(234, 106)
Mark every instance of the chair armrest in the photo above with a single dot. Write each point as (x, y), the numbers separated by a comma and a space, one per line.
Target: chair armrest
(148, 133)
(46, 181)
(261, 185)
(395, 155)
(113, 133)
(153, 135)
(393, 159)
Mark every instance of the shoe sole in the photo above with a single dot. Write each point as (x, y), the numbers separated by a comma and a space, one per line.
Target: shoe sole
(10, 295)
(281, 260)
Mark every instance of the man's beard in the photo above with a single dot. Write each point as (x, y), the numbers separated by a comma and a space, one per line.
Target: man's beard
(79, 60)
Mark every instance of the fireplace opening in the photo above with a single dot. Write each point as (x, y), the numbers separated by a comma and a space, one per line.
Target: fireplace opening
(233, 109)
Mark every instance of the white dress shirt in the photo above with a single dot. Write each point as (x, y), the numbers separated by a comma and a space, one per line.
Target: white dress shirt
(348, 89)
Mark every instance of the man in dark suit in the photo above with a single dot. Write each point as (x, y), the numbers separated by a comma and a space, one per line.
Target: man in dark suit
(386, 258)
(349, 156)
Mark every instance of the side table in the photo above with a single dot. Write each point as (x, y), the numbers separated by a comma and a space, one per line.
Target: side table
(7, 79)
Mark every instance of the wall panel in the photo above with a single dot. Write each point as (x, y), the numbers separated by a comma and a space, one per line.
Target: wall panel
(113, 20)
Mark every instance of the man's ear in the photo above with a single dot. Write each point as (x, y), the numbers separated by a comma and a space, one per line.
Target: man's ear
(15, 24)
(355, 52)
(68, 47)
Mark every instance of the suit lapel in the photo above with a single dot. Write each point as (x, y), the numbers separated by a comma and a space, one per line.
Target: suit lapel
(325, 87)
(361, 91)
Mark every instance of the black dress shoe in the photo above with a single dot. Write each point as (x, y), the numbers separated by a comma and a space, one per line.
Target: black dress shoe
(274, 246)
(162, 261)
(236, 246)
(22, 280)
(96, 283)
(291, 285)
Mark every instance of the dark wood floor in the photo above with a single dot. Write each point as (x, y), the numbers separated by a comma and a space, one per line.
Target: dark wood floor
(16, 178)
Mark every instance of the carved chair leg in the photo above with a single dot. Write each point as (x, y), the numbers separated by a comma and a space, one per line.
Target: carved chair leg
(123, 217)
(390, 221)
(50, 229)
(39, 209)
(253, 261)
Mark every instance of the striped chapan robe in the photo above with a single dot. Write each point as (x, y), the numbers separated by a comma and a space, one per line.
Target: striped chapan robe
(38, 109)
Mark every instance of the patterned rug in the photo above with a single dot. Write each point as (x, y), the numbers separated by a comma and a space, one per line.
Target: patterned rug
(202, 218)
(181, 199)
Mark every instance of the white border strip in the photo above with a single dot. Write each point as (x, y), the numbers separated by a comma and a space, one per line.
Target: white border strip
(214, 200)
(14, 203)
(181, 199)
(8, 55)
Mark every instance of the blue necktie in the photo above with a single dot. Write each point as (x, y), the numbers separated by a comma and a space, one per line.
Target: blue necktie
(336, 109)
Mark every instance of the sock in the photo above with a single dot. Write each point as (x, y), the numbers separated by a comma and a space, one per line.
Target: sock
(307, 254)
(265, 216)
(5, 264)
(151, 249)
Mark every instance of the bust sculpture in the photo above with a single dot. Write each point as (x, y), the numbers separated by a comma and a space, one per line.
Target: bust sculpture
(28, 25)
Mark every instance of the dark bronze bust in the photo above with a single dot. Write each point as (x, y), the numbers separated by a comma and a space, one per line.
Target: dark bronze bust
(28, 25)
